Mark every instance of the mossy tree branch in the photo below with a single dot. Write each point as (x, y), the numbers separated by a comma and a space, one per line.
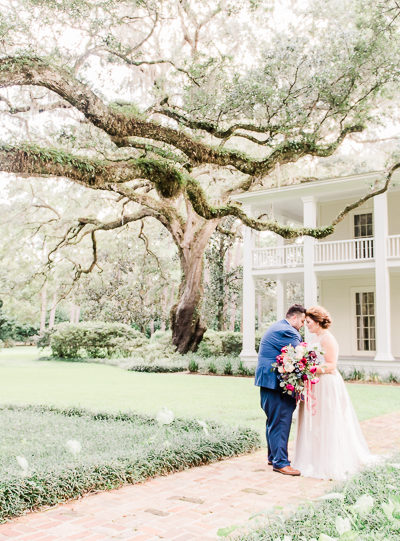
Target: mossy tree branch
(168, 181)
(23, 71)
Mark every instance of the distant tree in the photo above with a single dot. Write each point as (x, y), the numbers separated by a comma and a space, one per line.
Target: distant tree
(156, 102)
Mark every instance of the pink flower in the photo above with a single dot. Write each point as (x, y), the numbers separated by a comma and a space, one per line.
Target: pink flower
(304, 377)
(313, 369)
(289, 387)
(304, 344)
(314, 380)
(284, 349)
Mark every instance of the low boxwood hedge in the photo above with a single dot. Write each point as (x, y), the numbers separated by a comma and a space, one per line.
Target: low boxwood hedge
(189, 445)
(95, 339)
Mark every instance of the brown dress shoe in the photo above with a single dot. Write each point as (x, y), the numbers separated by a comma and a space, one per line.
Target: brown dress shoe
(287, 470)
(269, 463)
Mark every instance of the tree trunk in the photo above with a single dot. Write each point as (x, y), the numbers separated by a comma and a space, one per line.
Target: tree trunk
(43, 309)
(53, 311)
(187, 327)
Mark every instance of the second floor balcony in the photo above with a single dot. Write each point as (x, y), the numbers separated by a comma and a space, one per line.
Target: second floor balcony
(325, 253)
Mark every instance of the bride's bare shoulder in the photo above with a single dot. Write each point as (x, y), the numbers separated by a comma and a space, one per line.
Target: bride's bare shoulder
(328, 339)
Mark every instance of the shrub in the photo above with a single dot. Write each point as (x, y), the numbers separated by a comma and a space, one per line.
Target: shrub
(217, 343)
(211, 344)
(193, 366)
(95, 340)
(319, 520)
(231, 342)
(393, 378)
(189, 444)
(8, 343)
(354, 375)
(156, 368)
(212, 368)
(259, 335)
(162, 337)
(43, 341)
(228, 368)
(374, 377)
(243, 370)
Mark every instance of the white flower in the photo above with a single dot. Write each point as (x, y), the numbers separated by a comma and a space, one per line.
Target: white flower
(204, 427)
(23, 464)
(396, 465)
(281, 370)
(388, 509)
(342, 525)
(363, 505)
(73, 446)
(324, 537)
(332, 496)
(165, 416)
(289, 367)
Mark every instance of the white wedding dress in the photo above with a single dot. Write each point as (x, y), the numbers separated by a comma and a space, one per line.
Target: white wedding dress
(329, 443)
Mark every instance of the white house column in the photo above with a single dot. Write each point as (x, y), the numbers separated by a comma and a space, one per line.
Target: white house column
(382, 281)
(281, 298)
(248, 354)
(310, 278)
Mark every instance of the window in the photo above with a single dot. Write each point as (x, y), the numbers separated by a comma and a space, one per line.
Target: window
(365, 321)
(363, 226)
(363, 230)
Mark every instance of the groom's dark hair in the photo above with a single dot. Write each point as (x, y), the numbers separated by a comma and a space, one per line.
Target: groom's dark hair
(295, 309)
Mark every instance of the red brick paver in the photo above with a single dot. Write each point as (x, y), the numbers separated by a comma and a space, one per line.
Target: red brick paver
(187, 506)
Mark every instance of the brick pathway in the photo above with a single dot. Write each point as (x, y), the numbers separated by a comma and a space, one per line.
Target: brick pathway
(187, 506)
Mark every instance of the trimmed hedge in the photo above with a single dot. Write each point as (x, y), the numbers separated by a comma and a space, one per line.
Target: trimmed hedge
(223, 343)
(95, 340)
(157, 368)
(18, 495)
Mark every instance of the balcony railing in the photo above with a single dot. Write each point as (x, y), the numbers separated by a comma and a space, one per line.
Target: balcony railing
(325, 252)
(281, 256)
(393, 250)
(344, 251)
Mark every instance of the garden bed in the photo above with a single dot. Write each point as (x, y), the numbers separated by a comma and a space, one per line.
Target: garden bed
(367, 508)
(52, 455)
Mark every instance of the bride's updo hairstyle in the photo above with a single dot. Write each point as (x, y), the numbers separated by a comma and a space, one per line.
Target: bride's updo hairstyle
(320, 316)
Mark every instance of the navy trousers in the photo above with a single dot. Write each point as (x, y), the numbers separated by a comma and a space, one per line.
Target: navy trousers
(279, 408)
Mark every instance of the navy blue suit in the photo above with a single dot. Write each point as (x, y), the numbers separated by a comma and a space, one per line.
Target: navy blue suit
(278, 406)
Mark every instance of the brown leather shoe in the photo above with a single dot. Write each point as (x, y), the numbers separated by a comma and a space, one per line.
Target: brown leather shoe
(287, 470)
(269, 463)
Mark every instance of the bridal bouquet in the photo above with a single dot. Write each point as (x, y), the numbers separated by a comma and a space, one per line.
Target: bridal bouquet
(296, 367)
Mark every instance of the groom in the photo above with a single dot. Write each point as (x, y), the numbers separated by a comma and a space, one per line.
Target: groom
(278, 406)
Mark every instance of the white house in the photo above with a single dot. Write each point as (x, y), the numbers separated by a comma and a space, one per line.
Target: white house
(354, 273)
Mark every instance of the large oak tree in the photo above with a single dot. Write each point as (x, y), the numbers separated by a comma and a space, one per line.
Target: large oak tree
(176, 106)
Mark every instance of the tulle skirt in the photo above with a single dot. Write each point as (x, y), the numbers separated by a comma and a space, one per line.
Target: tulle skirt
(329, 443)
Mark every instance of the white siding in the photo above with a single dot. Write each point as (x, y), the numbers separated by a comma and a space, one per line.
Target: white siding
(344, 230)
(395, 312)
(336, 295)
(393, 213)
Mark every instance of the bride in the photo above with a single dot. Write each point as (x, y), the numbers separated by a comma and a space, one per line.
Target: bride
(329, 441)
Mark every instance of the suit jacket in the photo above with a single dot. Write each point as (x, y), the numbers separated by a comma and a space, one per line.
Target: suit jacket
(277, 336)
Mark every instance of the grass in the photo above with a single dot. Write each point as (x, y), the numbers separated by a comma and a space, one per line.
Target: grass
(231, 400)
(51, 455)
(367, 506)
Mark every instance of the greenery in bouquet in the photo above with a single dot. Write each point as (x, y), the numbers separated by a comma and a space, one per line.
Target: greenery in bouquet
(296, 368)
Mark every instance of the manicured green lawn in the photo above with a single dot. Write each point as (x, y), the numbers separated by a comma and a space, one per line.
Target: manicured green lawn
(234, 400)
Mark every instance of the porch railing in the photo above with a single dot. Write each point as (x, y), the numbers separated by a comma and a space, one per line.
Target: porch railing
(393, 249)
(278, 257)
(325, 252)
(344, 251)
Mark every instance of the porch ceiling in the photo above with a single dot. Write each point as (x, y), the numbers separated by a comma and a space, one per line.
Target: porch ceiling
(286, 200)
